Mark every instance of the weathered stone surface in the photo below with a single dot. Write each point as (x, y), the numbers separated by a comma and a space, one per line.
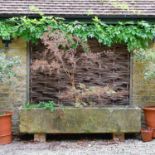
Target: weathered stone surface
(40, 137)
(14, 95)
(81, 120)
(142, 90)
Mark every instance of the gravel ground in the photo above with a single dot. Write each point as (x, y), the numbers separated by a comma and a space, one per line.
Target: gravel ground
(82, 147)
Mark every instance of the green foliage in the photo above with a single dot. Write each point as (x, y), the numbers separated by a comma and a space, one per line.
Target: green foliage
(136, 35)
(2, 113)
(6, 30)
(50, 105)
(7, 65)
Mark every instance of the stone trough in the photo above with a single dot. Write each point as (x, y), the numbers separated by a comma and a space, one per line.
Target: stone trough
(116, 120)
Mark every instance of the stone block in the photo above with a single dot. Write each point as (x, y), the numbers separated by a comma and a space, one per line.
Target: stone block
(81, 120)
(40, 137)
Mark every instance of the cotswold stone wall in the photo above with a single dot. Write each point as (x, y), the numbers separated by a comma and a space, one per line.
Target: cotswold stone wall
(142, 91)
(13, 96)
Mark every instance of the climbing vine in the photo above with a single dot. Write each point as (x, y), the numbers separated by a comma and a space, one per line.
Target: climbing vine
(136, 35)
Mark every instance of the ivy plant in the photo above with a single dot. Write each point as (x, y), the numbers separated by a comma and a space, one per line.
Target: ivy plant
(136, 35)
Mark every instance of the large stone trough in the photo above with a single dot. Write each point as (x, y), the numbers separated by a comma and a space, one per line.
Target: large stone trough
(81, 120)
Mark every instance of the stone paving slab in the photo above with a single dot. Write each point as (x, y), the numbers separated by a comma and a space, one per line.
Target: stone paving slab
(80, 147)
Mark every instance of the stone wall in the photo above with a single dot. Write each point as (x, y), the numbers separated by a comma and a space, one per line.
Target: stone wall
(142, 90)
(13, 96)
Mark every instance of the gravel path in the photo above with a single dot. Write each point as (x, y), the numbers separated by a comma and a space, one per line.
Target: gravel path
(84, 147)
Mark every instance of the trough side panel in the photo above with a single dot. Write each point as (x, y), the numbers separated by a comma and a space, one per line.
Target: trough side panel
(85, 120)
